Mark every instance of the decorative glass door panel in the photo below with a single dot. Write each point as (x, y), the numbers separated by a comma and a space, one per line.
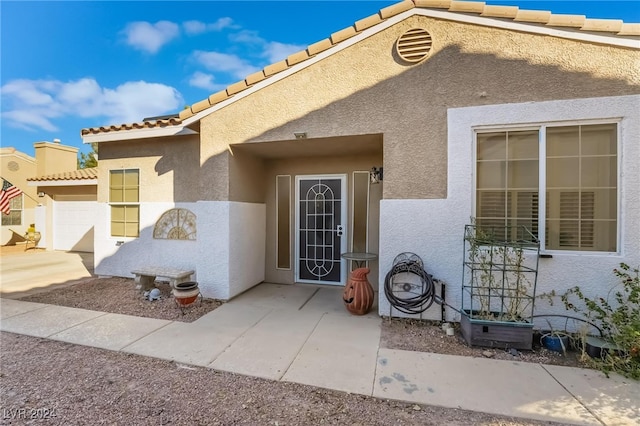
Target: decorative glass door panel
(321, 233)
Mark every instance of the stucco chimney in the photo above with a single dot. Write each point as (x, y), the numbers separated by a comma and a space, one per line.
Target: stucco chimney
(55, 157)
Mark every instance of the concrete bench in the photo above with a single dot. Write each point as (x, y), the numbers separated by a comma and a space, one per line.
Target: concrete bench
(146, 276)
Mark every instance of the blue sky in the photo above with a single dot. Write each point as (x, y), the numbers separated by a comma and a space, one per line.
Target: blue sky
(67, 65)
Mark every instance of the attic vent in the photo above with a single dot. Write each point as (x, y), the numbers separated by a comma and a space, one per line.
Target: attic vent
(414, 45)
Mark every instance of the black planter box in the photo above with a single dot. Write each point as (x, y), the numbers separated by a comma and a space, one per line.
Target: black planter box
(596, 347)
(497, 334)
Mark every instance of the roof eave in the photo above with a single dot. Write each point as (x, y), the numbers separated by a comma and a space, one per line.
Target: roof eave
(432, 13)
(122, 135)
(438, 13)
(63, 182)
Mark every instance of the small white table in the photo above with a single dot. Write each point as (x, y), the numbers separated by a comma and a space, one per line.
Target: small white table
(359, 258)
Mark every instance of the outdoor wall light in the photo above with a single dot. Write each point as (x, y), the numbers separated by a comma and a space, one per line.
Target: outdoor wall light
(41, 194)
(300, 135)
(375, 175)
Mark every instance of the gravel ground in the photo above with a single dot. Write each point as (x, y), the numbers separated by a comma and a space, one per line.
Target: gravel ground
(80, 385)
(49, 382)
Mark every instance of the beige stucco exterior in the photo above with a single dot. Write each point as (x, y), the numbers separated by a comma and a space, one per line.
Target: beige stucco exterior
(17, 167)
(48, 181)
(363, 106)
(54, 158)
(366, 89)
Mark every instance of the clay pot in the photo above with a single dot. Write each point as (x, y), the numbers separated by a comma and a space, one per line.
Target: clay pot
(358, 294)
(186, 293)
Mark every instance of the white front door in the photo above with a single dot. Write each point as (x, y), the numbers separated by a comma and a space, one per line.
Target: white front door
(321, 235)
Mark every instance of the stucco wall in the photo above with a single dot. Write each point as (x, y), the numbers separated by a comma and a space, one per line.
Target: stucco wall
(55, 158)
(366, 89)
(169, 168)
(433, 229)
(26, 168)
(110, 258)
(246, 246)
(214, 255)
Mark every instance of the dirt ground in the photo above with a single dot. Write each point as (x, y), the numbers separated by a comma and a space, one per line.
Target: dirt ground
(82, 385)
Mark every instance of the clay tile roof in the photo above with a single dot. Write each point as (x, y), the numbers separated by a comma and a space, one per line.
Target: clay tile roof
(539, 17)
(80, 174)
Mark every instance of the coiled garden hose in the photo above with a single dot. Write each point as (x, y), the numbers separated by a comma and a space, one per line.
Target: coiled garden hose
(419, 301)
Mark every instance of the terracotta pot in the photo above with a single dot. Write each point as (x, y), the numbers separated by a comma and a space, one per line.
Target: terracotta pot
(186, 293)
(358, 294)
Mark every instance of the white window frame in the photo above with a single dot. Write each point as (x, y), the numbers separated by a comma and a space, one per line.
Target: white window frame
(541, 127)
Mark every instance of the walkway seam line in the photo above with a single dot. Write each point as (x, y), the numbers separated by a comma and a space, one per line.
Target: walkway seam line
(309, 298)
(375, 369)
(574, 396)
(235, 340)
(148, 334)
(50, 336)
(301, 347)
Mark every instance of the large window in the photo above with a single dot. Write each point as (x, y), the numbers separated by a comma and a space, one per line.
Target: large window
(572, 191)
(124, 189)
(14, 218)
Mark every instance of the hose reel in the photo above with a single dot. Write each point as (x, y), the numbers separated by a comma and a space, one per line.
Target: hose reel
(408, 287)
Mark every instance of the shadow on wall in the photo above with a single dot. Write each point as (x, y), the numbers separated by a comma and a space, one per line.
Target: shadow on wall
(147, 251)
(85, 243)
(15, 238)
(409, 110)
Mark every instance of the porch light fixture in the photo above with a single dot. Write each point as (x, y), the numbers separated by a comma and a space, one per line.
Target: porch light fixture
(300, 135)
(375, 175)
(40, 194)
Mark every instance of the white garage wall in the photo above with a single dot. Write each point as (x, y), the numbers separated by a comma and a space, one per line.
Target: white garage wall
(433, 229)
(73, 225)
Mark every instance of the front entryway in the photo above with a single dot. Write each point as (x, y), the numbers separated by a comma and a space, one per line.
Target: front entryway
(321, 234)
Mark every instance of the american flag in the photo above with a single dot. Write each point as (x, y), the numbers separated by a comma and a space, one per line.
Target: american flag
(8, 192)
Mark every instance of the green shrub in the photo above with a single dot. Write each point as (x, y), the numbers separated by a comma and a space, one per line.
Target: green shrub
(619, 320)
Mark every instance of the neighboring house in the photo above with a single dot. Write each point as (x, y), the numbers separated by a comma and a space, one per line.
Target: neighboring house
(16, 167)
(57, 198)
(70, 208)
(472, 111)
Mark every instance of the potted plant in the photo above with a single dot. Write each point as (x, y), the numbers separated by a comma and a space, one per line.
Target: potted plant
(555, 340)
(500, 270)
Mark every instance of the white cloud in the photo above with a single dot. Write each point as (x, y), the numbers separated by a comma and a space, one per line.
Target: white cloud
(275, 51)
(204, 81)
(247, 37)
(150, 37)
(224, 62)
(199, 27)
(27, 120)
(35, 104)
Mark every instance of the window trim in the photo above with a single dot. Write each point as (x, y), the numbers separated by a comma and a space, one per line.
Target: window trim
(541, 127)
(123, 203)
(21, 210)
(352, 205)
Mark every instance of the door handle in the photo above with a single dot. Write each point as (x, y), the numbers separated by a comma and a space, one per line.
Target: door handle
(340, 230)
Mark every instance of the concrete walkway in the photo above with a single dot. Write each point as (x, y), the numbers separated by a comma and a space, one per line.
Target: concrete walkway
(303, 334)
